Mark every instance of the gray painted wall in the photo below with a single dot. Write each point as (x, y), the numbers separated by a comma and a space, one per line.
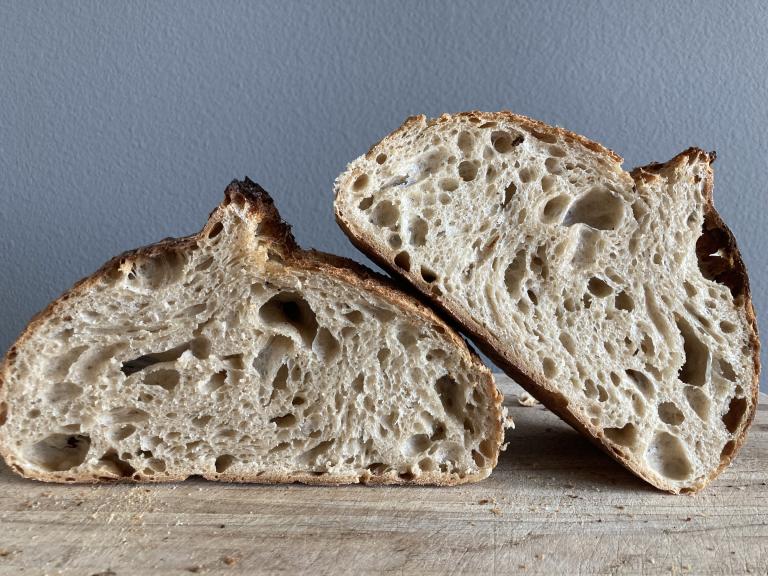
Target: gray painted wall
(122, 122)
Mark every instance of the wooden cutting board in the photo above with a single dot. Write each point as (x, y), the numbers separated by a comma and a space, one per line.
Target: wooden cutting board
(555, 505)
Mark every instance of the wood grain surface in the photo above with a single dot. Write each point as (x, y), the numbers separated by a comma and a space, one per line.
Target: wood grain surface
(555, 505)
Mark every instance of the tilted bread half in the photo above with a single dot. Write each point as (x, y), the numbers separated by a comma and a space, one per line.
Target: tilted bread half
(235, 355)
(618, 299)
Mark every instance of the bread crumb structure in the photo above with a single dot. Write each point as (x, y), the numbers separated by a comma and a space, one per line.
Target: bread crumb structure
(234, 355)
(618, 299)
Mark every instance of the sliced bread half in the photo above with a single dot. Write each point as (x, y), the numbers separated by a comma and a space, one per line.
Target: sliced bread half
(235, 355)
(618, 299)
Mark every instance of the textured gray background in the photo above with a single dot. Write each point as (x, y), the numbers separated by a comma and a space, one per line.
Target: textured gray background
(121, 123)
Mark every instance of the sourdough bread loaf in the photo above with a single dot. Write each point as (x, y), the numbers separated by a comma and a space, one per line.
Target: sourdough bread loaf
(235, 355)
(618, 299)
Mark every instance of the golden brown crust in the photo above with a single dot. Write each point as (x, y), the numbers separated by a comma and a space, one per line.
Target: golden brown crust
(258, 204)
(537, 128)
(730, 272)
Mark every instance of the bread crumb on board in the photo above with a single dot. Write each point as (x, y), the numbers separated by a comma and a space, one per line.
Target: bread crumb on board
(526, 399)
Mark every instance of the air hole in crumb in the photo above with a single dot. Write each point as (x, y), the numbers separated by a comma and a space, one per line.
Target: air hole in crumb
(550, 368)
(451, 396)
(403, 261)
(395, 241)
(438, 433)
(377, 468)
(201, 421)
(568, 343)
(311, 456)
(215, 230)
(290, 309)
(698, 401)
(365, 203)
(448, 184)
(670, 414)
(697, 355)
(360, 182)
(714, 253)
(727, 327)
(737, 410)
(382, 314)
(667, 455)
(623, 301)
(547, 183)
(557, 151)
(504, 142)
(624, 436)
(204, 265)
(428, 275)
(641, 382)
(527, 174)
(58, 452)
(223, 462)
(467, 170)
(553, 166)
(509, 192)
(465, 142)
(115, 465)
(426, 465)
(383, 355)
(554, 208)
(385, 214)
(215, 382)
(354, 316)
(381, 158)
(418, 231)
(140, 363)
(285, 421)
(326, 346)
(515, 273)
(599, 287)
(407, 336)
(358, 384)
(233, 361)
(279, 447)
(598, 208)
(726, 369)
(123, 432)
(416, 444)
(167, 379)
(487, 448)
(280, 381)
